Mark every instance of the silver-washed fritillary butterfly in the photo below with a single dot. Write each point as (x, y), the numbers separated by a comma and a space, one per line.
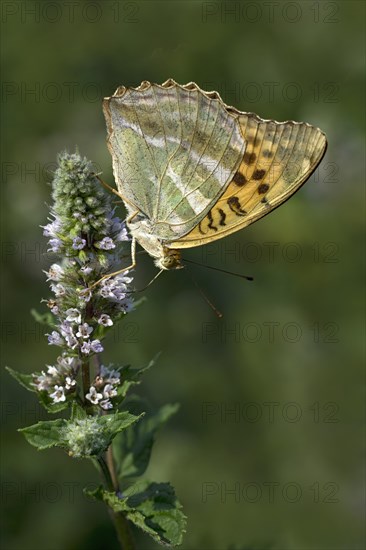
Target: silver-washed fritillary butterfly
(191, 169)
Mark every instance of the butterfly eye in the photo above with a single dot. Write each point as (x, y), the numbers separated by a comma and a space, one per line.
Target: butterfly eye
(170, 260)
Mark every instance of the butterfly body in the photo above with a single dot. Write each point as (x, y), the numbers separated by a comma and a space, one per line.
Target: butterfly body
(191, 169)
(142, 230)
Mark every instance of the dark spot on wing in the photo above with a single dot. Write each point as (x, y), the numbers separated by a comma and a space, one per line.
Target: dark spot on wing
(235, 206)
(249, 158)
(239, 179)
(267, 153)
(222, 217)
(263, 188)
(258, 174)
(210, 219)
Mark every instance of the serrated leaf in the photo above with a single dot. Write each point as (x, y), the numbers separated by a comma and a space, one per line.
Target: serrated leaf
(51, 407)
(77, 412)
(115, 423)
(130, 377)
(133, 447)
(44, 435)
(153, 507)
(25, 380)
(46, 319)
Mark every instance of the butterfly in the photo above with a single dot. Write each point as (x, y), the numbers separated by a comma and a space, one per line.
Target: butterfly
(192, 170)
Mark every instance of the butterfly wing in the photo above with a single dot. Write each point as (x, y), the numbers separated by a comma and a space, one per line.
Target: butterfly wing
(174, 148)
(279, 158)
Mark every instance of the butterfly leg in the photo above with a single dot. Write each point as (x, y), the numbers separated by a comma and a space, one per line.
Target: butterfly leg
(112, 190)
(133, 258)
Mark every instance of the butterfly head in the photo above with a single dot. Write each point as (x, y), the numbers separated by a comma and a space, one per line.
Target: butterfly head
(170, 259)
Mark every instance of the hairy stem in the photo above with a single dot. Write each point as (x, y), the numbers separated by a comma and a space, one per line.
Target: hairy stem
(111, 468)
(123, 530)
(120, 521)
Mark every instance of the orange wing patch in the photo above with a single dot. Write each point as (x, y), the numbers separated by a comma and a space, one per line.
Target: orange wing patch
(278, 159)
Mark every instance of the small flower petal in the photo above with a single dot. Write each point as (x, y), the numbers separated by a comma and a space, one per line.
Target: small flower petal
(78, 243)
(105, 320)
(58, 395)
(93, 396)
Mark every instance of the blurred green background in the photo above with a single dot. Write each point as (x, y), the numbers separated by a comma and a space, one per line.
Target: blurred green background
(267, 448)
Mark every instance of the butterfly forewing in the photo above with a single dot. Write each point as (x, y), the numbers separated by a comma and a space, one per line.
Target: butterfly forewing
(174, 149)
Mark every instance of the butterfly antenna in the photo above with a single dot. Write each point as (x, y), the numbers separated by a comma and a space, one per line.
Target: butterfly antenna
(204, 296)
(147, 286)
(247, 277)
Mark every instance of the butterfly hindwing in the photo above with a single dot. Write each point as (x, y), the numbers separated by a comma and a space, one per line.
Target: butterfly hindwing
(278, 159)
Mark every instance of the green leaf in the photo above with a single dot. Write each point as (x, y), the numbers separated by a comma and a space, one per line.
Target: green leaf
(44, 435)
(43, 318)
(130, 377)
(77, 412)
(115, 423)
(132, 448)
(51, 407)
(82, 436)
(25, 380)
(153, 507)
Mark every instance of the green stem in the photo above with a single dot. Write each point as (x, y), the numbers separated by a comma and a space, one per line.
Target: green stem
(111, 468)
(119, 519)
(106, 473)
(123, 530)
(85, 373)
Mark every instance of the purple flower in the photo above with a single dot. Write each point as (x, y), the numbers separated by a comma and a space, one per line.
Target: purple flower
(93, 396)
(73, 315)
(42, 382)
(66, 328)
(67, 362)
(105, 244)
(85, 348)
(96, 346)
(59, 290)
(55, 245)
(84, 331)
(54, 273)
(68, 334)
(109, 391)
(110, 375)
(52, 371)
(122, 235)
(115, 288)
(105, 320)
(85, 295)
(55, 339)
(52, 228)
(78, 243)
(126, 305)
(71, 341)
(106, 404)
(58, 395)
(69, 382)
